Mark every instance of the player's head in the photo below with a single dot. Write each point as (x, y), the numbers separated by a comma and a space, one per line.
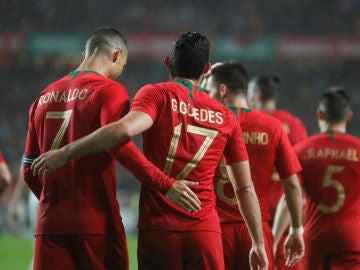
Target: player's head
(109, 43)
(334, 107)
(225, 80)
(263, 89)
(189, 56)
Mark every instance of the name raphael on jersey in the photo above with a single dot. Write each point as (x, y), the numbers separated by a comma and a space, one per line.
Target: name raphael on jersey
(63, 96)
(198, 114)
(333, 153)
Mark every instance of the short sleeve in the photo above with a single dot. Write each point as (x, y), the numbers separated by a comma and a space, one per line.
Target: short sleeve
(286, 161)
(148, 100)
(235, 149)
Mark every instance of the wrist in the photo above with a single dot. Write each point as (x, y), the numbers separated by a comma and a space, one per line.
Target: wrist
(298, 231)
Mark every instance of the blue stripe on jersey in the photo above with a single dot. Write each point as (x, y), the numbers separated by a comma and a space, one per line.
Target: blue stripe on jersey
(28, 160)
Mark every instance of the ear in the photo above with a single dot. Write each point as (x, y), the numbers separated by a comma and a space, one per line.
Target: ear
(224, 91)
(167, 62)
(83, 55)
(349, 116)
(320, 114)
(207, 67)
(116, 55)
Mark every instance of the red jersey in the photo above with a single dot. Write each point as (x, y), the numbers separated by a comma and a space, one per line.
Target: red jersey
(1, 157)
(331, 180)
(79, 198)
(190, 133)
(268, 146)
(296, 132)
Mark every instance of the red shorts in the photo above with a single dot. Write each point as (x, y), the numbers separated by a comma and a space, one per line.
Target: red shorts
(194, 250)
(237, 245)
(68, 252)
(335, 261)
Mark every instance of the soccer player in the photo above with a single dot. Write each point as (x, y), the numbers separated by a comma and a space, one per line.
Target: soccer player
(267, 145)
(5, 174)
(263, 93)
(79, 224)
(331, 180)
(186, 133)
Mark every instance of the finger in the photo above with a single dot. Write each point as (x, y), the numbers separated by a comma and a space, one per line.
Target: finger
(189, 203)
(191, 183)
(193, 196)
(36, 161)
(36, 166)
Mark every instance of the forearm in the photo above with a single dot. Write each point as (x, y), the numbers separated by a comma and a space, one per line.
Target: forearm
(281, 220)
(100, 140)
(293, 196)
(109, 136)
(146, 172)
(250, 210)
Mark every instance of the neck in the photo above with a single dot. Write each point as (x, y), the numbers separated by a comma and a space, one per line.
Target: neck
(96, 64)
(339, 127)
(192, 81)
(269, 106)
(238, 101)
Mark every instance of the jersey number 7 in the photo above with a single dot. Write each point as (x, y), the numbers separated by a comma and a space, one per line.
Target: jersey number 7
(66, 115)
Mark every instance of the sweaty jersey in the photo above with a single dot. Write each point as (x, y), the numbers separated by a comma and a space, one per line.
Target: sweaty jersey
(80, 197)
(191, 131)
(331, 180)
(267, 146)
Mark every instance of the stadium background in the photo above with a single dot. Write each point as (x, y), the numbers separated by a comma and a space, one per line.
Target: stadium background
(311, 45)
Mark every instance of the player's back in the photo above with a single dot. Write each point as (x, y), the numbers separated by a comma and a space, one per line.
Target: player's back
(189, 135)
(267, 145)
(331, 179)
(292, 125)
(75, 198)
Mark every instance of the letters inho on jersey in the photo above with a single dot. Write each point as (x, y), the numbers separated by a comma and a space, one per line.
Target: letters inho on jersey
(259, 138)
(333, 153)
(198, 114)
(63, 96)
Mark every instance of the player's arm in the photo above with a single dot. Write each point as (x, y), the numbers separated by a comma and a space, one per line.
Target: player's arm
(248, 203)
(100, 140)
(20, 191)
(178, 192)
(290, 210)
(5, 175)
(32, 151)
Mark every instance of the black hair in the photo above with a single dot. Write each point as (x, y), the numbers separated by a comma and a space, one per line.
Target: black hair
(335, 104)
(269, 86)
(189, 55)
(105, 39)
(233, 74)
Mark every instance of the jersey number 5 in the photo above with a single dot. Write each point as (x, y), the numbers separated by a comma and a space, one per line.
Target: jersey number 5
(210, 136)
(329, 182)
(66, 115)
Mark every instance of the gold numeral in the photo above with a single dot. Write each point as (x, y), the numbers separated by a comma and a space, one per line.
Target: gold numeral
(59, 115)
(210, 136)
(329, 182)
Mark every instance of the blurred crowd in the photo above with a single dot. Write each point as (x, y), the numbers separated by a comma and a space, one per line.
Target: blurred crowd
(249, 17)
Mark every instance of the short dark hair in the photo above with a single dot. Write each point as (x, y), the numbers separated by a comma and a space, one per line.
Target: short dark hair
(269, 86)
(335, 104)
(233, 74)
(189, 54)
(105, 39)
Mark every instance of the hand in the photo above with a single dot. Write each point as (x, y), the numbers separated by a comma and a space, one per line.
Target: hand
(48, 162)
(258, 258)
(294, 248)
(180, 194)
